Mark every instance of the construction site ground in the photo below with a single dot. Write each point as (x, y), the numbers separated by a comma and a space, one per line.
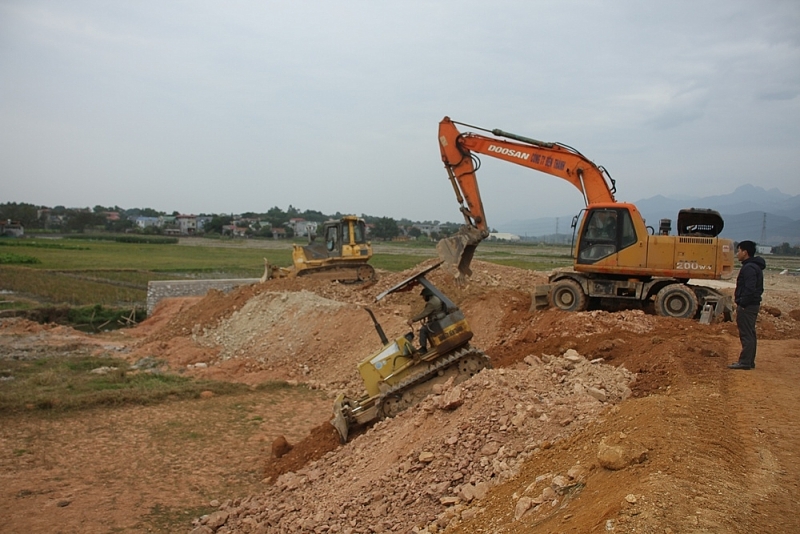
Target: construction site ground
(597, 421)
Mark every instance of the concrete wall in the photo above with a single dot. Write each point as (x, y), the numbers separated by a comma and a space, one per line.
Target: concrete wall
(157, 290)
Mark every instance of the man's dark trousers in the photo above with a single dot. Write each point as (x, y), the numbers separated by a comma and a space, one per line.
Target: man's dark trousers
(746, 323)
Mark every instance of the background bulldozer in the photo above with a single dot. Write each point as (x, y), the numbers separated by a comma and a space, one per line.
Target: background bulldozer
(342, 253)
(398, 375)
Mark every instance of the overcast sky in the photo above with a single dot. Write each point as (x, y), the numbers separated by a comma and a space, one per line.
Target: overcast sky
(333, 105)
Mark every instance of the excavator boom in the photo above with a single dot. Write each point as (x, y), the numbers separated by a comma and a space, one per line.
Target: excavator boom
(458, 154)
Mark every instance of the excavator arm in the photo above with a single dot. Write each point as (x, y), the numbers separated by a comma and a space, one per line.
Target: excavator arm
(458, 154)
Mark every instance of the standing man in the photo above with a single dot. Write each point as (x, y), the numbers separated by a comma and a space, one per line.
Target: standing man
(749, 287)
(434, 310)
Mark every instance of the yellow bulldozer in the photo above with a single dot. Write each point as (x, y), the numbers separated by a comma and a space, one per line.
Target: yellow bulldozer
(398, 375)
(342, 254)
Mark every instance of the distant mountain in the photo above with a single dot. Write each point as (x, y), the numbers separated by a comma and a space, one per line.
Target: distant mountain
(744, 199)
(749, 212)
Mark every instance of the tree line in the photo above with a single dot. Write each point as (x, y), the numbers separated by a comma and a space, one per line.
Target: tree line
(63, 219)
(785, 249)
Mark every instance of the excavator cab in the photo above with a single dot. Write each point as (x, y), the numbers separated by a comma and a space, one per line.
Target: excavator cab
(605, 231)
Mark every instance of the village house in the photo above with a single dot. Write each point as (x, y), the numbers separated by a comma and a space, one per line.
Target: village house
(428, 229)
(50, 219)
(503, 236)
(236, 231)
(11, 228)
(187, 224)
(145, 222)
(303, 227)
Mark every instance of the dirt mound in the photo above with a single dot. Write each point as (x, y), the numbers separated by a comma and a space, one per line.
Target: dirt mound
(312, 331)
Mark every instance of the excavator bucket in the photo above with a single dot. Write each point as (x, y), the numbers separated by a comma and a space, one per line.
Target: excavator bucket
(457, 251)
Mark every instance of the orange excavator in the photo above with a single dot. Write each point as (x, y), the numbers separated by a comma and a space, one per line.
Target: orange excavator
(617, 257)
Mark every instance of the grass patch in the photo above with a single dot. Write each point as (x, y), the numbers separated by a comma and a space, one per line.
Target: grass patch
(11, 258)
(95, 318)
(14, 304)
(127, 238)
(40, 244)
(59, 288)
(68, 383)
(149, 257)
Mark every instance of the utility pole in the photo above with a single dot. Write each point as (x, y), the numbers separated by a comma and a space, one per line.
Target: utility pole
(764, 229)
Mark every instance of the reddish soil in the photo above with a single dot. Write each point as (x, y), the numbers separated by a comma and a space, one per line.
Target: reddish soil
(702, 448)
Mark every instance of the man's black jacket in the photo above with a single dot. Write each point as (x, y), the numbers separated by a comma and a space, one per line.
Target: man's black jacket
(750, 282)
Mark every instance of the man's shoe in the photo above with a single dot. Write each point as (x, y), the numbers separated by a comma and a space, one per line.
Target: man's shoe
(738, 365)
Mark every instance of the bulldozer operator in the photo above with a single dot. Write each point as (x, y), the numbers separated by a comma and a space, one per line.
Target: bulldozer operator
(433, 311)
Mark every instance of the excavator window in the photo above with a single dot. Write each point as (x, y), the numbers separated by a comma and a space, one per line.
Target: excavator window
(606, 231)
(602, 225)
(346, 233)
(628, 232)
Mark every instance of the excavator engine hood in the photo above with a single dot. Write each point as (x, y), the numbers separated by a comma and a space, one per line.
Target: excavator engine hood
(700, 222)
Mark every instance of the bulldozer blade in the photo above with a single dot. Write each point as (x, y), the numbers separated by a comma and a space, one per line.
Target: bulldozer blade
(339, 421)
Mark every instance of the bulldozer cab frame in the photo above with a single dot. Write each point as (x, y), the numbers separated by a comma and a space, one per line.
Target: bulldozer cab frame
(419, 279)
(338, 233)
(447, 333)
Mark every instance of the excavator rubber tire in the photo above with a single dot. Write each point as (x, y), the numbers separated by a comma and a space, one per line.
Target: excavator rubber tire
(677, 300)
(567, 295)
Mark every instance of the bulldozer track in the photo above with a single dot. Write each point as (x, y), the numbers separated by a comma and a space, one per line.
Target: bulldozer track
(441, 365)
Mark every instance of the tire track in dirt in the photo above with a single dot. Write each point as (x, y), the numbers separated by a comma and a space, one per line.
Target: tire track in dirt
(767, 416)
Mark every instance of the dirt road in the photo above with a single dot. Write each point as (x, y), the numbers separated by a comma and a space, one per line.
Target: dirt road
(676, 443)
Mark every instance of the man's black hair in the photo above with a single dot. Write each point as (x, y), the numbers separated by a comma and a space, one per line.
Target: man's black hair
(749, 247)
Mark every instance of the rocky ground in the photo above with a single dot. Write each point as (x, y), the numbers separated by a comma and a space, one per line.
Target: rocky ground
(588, 422)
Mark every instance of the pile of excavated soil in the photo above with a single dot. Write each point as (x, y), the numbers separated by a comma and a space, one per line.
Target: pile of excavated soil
(314, 331)
(450, 448)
